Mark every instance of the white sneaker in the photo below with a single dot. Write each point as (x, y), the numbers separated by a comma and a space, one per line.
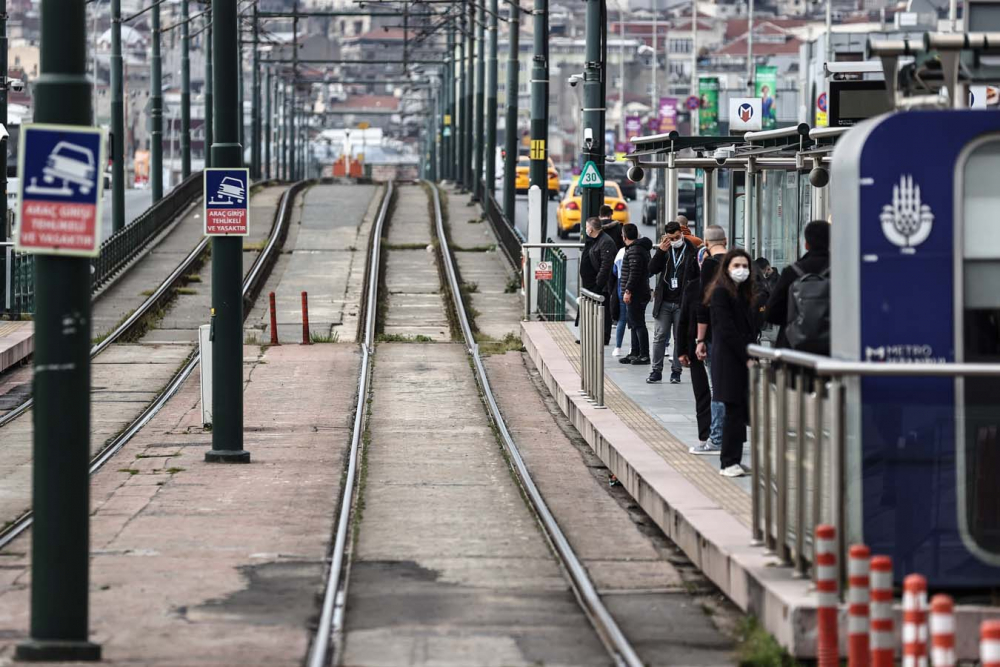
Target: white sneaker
(617, 352)
(735, 470)
(705, 449)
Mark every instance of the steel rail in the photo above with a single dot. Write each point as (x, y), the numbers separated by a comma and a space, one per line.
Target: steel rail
(618, 646)
(335, 598)
(255, 275)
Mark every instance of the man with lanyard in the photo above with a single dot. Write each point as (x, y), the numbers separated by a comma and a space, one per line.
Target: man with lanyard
(675, 262)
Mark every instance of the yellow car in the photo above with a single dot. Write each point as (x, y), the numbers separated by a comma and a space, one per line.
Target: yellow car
(522, 183)
(570, 208)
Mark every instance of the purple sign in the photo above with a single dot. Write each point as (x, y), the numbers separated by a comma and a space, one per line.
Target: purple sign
(633, 127)
(668, 114)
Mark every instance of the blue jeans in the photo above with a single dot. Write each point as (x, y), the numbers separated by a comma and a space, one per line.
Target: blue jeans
(718, 413)
(620, 331)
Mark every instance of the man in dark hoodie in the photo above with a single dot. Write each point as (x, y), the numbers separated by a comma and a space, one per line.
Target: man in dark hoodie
(611, 227)
(674, 265)
(635, 292)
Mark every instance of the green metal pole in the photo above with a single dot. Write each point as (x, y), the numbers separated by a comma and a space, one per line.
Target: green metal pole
(117, 120)
(61, 440)
(460, 119)
(227, 252)
(491, 109)
(267, 123)
(538, 172)
(470, 75)
(3, 151)
(208, 92)
(510, 136)
(185, 92)
(286, 139)
(449, 91)
(156, 110)
(255, 105)
(283, 131)
(594, 74)
(242, 137)
(477, 173)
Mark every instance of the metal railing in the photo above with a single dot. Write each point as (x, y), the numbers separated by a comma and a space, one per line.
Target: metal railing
(19, 283)
(552, 293)
(510, 237)
(798, 436)
(592, 316)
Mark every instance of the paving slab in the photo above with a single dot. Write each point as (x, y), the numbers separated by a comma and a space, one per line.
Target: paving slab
(17, 341)
(204, 564)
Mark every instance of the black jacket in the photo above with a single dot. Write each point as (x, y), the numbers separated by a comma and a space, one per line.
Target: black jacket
(732, 330)
(687, 327)
(814, 261)
(588, 271)
(635, 270)
(613, 228)
(709, 267)
(602, 257)
(662, 266)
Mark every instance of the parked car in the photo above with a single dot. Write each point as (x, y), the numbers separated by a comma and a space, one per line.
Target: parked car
(570, 208)
(618, 171)
(687, 204)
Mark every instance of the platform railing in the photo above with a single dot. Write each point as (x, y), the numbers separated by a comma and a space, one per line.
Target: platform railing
(509, 235)
(19, 284)
(591, 309)
(798, 436)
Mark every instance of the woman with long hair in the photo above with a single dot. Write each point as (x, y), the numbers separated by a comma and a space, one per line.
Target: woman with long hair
(730, 300)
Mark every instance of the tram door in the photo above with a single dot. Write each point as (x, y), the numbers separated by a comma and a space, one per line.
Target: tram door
(978, 341)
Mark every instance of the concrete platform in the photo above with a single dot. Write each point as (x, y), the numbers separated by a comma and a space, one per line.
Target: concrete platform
(203, 564)
(17, 342)
(709, 520)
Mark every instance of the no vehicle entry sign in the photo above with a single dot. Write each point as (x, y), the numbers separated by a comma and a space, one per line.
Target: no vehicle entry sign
(60, 189)
(227, 202)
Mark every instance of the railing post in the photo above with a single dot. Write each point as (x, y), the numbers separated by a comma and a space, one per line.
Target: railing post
(836, 461)
(766, 409)
(817, 481)
(781, 527)
(756, 432)
(581, 305)
(800, 476)
(599, 343)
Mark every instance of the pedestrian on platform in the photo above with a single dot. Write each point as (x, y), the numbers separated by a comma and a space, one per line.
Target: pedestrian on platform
(800, 301)
(635, 292)
(612, 227)
(688, 234)
(710, 256)
(687, 333)
(601, 256)
(674, 265)
(730, 300)
(618, 308)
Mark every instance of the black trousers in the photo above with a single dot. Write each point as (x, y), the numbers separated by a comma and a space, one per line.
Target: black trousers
(607, 318)
(702, 398)
(640, 334)
(734, 434)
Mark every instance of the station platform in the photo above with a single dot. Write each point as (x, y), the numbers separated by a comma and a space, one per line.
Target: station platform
(17, 341)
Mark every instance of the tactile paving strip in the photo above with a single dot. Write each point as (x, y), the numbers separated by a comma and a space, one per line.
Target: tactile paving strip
(698, 470)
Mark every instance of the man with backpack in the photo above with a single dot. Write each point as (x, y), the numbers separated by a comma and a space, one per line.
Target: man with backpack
(800, 301)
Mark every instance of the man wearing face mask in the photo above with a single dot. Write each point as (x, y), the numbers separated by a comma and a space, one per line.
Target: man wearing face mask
(675, 265)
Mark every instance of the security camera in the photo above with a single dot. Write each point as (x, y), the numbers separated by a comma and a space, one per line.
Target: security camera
(588, 138)
(635, 174)
(722, 154)
(17, 85)
(819, 177)
(574, 79)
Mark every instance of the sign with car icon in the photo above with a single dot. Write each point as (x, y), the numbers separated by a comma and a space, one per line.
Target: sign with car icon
(60, 189)
(227, 202)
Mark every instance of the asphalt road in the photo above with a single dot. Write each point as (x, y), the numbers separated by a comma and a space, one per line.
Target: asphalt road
(136, 201)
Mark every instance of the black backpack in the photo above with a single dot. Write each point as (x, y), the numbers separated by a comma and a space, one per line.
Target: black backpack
(808, 327)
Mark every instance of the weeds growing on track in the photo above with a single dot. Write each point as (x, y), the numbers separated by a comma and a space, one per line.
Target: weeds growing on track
(402, 338)
(332, 337)
(757, 648)
(489, 346)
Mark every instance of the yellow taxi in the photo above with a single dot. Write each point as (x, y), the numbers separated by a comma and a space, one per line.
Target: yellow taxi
(570, 208)
(522, 183)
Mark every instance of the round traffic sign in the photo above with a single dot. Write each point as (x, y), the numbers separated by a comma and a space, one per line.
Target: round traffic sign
(691, 102)
(821, 102)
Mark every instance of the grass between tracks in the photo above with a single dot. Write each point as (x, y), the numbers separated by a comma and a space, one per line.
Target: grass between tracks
(757, 648)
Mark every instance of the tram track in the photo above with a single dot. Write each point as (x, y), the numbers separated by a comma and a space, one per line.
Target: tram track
(328, 643)
(252, 283)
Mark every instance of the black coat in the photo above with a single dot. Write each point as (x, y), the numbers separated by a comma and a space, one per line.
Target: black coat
(635, 270)
(709, 267)
(661, 265)
(732, 330)
(814, 261)
(613, 228)
(588, 272)
(602, 258)
(687, 327)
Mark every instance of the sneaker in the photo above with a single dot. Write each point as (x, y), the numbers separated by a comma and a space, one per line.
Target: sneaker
(627, 359)
(675, 378)
(640, 361)
(735, 470)
(617, 352)
(654, 377)
(705, 449)
(746, 469)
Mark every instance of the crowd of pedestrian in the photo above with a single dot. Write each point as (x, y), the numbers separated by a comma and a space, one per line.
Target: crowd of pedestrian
(709, 302)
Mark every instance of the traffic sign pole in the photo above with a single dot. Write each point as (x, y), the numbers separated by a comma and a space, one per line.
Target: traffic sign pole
(207, 89)
(156, 110)
(491, 110)
(538, 168)
(594, 96)
(185, 91)
(510, 140)
(61, 439)
(227, 253)
(480, 118)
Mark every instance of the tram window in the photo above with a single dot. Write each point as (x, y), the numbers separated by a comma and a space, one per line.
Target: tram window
(981, 344)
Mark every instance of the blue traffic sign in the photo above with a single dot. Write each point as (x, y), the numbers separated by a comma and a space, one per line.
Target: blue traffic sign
(227, 202)
(60, 189)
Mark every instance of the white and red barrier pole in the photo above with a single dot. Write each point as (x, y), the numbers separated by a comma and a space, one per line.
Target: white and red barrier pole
(989, 644)
(857, 606)
(827, 652)
(882, 638)
(914, 621)
(942, 631)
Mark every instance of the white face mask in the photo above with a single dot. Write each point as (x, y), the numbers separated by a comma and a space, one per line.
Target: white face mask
(678, 243)
(739, 275)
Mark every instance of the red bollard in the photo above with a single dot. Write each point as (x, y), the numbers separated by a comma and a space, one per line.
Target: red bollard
(857, 606)
(942, 631)
(274, 321)
(305, 319)
(882, 636)
(989, 644)
(827, 652)
(914, 621)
